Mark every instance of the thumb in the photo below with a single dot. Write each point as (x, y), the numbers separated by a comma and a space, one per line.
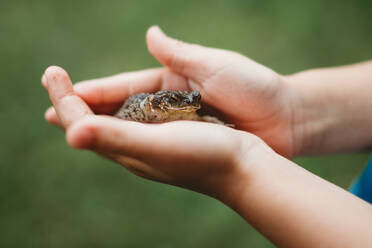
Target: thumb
(190, 60)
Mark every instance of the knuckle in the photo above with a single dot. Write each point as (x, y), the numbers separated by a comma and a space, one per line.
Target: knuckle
(67, 98)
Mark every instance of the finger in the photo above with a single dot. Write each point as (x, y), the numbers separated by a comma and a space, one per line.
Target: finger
(136, 166)
(173, 81)
(106, 95)
(193, 61)
(117, 88)
(140, 140)
(51, 115)
(157, 146)
(108, 134)
(140, 168)
(68, 106)
(52, 118)
(125, 142)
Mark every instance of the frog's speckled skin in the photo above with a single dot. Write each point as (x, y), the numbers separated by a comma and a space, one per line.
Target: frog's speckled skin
(164, 106)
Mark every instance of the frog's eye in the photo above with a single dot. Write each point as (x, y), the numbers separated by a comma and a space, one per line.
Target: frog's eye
(195, 96)
(188, 99)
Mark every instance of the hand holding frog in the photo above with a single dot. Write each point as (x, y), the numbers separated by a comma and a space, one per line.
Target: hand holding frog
(248, 95)
(195, 155)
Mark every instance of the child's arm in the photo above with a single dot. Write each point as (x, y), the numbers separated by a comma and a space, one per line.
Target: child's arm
(288, 204)
(295, 208)
(333, 110)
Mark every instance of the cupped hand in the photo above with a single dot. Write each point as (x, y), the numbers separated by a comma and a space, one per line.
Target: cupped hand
(200, 156)
(247, 94)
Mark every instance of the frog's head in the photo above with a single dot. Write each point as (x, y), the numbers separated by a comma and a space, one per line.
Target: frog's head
(186, 101)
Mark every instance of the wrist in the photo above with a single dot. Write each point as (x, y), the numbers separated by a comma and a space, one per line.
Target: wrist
(317, 114)
(300, 118)
(253, 156)
(330, 110)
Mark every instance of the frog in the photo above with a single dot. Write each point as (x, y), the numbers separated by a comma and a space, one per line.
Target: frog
(164, 106)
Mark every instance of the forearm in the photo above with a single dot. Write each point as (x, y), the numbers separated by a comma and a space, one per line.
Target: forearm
(294, 208)
(333, 109)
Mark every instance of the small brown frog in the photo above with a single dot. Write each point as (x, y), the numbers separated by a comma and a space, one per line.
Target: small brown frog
(164, 106)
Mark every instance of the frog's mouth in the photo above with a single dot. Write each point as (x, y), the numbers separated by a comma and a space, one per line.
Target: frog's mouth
(183, 109)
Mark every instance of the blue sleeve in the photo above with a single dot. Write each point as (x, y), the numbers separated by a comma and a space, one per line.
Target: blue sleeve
(362, 187)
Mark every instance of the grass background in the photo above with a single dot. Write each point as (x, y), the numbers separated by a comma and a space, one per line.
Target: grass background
(53, 196)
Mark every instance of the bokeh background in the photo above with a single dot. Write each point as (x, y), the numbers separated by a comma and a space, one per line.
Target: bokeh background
(53, 196)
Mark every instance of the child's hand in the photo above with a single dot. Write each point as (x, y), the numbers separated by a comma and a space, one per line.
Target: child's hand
(200, 156)
(249, 95)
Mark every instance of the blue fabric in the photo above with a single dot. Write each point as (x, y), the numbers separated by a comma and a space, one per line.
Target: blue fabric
(362, 187)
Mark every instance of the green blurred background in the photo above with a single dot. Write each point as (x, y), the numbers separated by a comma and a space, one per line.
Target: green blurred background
(53, 196)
